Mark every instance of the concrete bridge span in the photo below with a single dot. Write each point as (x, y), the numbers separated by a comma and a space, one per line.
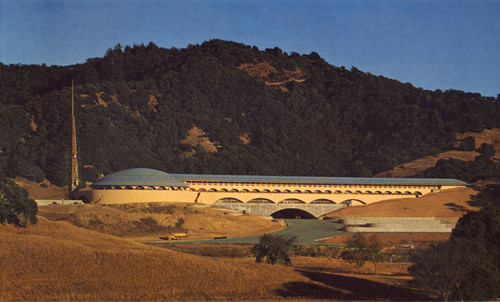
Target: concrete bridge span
(268, 209)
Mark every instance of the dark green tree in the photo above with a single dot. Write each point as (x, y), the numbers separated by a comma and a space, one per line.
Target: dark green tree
(274, 249)
(443, 267)
(466, 267)
(486, 149)
(15, 205)
(468, 144)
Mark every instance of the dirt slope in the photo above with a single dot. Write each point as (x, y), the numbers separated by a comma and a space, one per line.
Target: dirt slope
(48, 191)
(145, 222)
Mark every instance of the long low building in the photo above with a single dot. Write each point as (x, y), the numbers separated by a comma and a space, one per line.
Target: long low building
(272, 192)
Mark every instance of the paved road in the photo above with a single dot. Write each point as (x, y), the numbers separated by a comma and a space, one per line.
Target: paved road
(306, 231)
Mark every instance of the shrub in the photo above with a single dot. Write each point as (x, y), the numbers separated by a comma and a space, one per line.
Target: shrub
(274, 249)
(359, 249)
(318, 251)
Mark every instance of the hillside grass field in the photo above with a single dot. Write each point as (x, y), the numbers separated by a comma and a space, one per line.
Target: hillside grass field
(58, 261)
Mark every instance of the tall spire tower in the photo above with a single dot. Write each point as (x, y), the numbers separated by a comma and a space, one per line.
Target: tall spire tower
(74, 155)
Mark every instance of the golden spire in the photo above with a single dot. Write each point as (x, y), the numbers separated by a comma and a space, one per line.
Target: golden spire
(74, 155)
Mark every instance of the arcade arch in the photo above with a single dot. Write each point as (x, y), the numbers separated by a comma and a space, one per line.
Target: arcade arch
(351, 202)
(322, 201)
(228, 200)
(292, 214)
(292, 200)
(260, 200)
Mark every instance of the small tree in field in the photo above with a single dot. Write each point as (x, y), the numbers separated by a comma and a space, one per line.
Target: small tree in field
(274, 249)
(359, 249)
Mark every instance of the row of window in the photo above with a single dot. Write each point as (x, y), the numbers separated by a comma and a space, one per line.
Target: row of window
(230, 184)
(358, 192)
(287, 201)
(310, 192)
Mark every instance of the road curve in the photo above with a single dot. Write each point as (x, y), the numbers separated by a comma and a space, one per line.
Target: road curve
(307, 231)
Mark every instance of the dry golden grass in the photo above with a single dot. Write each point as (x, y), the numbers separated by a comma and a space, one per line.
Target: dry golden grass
(58, 261)
(37, 192)
(448, 203)
(145, 222)
(396, 239)
(196, 136)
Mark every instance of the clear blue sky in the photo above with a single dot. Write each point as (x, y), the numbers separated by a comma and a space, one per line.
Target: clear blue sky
(436, 44)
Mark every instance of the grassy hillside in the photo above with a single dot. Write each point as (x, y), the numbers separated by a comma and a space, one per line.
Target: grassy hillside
(448, 203)
(57, 261)
(224, 107)
(145, 222)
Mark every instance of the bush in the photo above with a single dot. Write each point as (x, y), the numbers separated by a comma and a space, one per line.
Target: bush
(468, 144)
(318, 251)
(274, 249)
(15, 206)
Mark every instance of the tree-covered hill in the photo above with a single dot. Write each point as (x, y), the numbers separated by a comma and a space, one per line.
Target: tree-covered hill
(268, 112)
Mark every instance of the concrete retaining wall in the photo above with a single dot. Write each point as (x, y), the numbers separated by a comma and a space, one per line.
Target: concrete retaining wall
(399, 224)
(46, 202)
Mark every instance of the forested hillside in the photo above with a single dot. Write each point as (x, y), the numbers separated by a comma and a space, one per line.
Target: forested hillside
(263, 112)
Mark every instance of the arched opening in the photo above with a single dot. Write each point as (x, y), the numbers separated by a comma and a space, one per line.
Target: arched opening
(322, 201)
(417, 193)
(358, 192)
(202, 190)
(255, 191)
(292, 214)
(228, 200)
(223, 190)
(260, 200)
(292, 200)
(387, 192)
(266, 191)
(287, 191)
(328, 192)
(234, 190)
(308, 191)
(353, 202)
(368, 192)
(276, 191)
(212, 190)
(297, 191)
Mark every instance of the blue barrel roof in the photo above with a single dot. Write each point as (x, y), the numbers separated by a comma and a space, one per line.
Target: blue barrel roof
(321, 180)
(139, 177)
